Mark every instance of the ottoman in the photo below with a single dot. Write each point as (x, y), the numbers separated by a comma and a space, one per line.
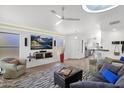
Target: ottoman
(64, 81)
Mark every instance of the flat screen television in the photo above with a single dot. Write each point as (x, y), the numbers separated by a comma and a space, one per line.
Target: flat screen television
(40, 42)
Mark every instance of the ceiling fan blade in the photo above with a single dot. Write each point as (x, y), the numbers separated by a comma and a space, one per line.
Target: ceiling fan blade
(72, 19)
(59, 22)
(54, 12)
(58, 16)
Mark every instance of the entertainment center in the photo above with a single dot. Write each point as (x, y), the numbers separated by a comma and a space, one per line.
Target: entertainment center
(41, 47)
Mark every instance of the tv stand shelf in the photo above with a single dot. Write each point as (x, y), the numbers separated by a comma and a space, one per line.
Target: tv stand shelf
(40, 55)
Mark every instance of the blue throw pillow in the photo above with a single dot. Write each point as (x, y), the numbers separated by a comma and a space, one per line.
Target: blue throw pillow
(109, 76)
(122, 58)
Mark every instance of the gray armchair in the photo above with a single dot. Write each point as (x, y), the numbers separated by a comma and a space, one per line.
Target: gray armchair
(13, 70)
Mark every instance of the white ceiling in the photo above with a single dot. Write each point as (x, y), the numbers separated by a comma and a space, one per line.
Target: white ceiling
(40, 17)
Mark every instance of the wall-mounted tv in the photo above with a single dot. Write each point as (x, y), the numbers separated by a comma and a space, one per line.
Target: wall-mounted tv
(41, 42)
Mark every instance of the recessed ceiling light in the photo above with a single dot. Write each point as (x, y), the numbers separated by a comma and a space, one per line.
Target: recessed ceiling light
(97, 8)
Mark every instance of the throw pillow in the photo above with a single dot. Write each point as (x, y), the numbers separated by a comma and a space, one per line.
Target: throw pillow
(111, 67)
(117, 64)
(15, 61)
(7, 59)
(121, 71)
(120, 82)
(110, 76)
(122, 59)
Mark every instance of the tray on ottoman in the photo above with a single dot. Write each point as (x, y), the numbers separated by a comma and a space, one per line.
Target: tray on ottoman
(65, 80)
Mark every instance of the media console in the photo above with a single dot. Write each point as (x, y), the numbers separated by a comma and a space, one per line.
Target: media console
(40, 55)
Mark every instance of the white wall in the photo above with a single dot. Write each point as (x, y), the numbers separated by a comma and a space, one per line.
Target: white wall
(108, 37)
(73, 48)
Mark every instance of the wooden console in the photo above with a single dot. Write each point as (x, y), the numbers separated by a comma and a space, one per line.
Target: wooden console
(40, 55)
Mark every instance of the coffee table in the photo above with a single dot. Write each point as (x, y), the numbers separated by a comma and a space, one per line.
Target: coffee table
(64, 82)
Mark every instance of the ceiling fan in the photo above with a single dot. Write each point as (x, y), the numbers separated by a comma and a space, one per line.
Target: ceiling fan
(62, 18)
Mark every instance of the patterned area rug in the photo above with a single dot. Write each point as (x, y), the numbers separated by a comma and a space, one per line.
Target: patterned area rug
(40, 79)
